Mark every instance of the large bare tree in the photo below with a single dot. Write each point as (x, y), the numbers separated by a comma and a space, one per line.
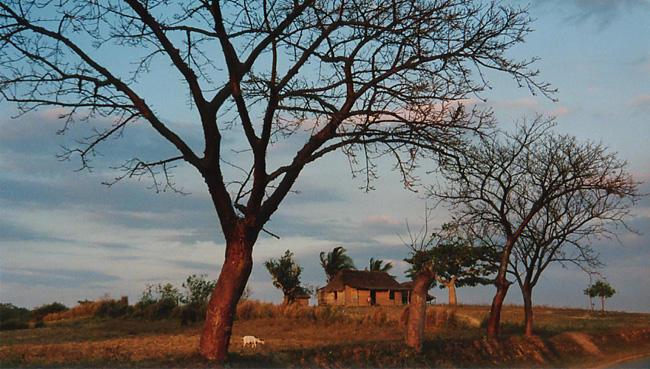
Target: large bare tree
(369, 77)
(536, 192)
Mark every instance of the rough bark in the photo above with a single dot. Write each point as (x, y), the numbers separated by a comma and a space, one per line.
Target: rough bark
(217, 329)
(602, 304)
(417, 310)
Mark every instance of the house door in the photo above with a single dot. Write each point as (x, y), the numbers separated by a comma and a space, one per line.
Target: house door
(373, 297)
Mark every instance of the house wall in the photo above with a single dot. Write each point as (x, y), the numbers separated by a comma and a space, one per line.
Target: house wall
(302, 301)
(364, 297)
(353, 297)
(331, 298)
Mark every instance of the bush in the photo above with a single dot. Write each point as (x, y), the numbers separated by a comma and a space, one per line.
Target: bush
(158, 302)
(13, 317)
(55, 307)
(113, 308)
(197, 290)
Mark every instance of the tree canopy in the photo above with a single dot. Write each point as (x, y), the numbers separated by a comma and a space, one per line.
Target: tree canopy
(600, 289)
(379, 265)
(334, 261)
(286, 276)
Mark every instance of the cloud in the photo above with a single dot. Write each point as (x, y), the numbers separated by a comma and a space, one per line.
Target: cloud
(522, 103)
(641, 102)
(55, 277)
(602, 12)
(560, 111)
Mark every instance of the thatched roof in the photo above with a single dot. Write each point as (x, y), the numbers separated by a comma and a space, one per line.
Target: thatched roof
(363, 280)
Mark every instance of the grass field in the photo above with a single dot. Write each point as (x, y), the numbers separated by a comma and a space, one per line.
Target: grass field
(353, 337)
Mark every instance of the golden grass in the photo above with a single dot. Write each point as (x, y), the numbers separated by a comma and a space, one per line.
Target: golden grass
(300, 332)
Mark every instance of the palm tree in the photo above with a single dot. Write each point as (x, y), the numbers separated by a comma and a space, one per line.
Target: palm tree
(379, 266)
(334, 261)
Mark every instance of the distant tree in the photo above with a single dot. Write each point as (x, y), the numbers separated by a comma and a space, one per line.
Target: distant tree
(601, 289)
(286, 276)
(334, 261)
(503, 183)
(365, 77)
(197, 290)
(589, 292)
(457, 261)
(379, 266)
(461, 262)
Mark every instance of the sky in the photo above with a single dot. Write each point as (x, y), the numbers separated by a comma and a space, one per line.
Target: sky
(66, 237)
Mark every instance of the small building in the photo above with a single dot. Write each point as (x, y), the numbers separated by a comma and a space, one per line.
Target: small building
(302, 297)
(363, 288)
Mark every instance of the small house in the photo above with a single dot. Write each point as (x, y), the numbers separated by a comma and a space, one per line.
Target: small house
(302, 297)
(363, 288)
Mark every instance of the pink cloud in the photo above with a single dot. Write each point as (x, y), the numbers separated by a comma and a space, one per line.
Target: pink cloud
(640, 102)
(526, 103)
(381, 221)
(560, 111)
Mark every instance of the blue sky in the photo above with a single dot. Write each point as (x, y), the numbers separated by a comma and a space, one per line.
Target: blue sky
(66, 237)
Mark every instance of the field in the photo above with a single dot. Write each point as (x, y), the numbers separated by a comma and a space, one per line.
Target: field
(353, 337)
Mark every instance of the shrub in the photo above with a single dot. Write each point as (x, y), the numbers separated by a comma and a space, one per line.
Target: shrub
(41, 311)
(158, 302)
(113, 308)
(13, 317)
(197, 290)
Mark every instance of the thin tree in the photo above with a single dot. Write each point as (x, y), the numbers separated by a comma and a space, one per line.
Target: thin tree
(564, 229)
(369, 78)
(590, 293)
(508, 181)
(334, 261)
(379, 265)
(286, 276)
(601, 289)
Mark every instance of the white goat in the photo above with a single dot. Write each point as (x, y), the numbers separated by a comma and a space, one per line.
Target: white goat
(251, 340)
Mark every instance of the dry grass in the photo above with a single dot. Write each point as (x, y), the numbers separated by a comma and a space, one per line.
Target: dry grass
(298, 336)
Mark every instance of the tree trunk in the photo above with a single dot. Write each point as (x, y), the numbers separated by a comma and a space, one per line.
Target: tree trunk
(528, 310)
(602, 304)
(417, 310)
(217, 329)
(494, 321)
(452, 292)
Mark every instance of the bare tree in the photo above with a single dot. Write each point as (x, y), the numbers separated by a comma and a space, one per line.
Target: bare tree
(507, 188)
(367, 77)
(563, 230)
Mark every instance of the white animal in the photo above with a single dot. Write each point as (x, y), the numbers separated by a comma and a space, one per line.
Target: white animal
(251, 340)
